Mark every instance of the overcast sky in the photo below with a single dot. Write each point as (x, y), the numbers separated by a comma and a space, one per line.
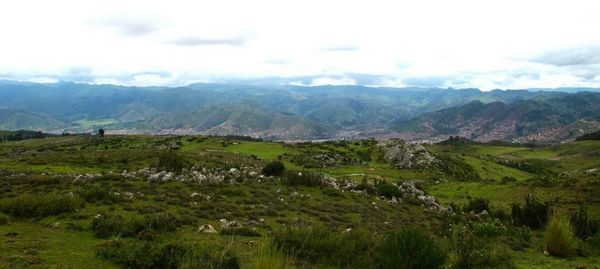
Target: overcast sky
(484, 44)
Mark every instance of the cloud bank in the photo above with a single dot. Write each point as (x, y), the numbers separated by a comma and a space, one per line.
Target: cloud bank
(431, 43)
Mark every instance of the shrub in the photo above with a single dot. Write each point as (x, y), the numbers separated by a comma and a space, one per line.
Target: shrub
(41, 205)
(477, 205)
(346, 250)
(559, 240)
(117, 225)
(167, 253)
(162, 222)
(595, 240)
(497, 256)
(583, 225)
(242, 231)
(489, 228)
(171, 161)
(533, 214)
(96, 194)
(506, 180)
(463, 244)
(387, 190)
(269, 257)
(306, 178)
(410, 248)
(3, 220)
(274, 168)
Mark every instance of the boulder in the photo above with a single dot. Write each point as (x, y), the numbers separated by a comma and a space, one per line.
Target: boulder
(207, 228)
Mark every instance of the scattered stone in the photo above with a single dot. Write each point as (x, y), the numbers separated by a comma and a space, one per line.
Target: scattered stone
(207, 228)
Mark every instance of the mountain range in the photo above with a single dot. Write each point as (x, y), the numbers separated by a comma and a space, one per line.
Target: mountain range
(285, 112)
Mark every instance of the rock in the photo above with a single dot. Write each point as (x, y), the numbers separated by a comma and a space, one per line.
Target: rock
(207, 228)
(404, 155)
(128, 195)
(229, 224)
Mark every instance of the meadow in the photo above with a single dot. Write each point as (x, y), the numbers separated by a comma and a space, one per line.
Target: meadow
(144, 201)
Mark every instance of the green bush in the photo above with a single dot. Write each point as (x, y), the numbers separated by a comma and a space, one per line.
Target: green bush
(410, 248)
(165, 252)
(559, 239)
(351, 249)
(387, 190)
(477, 205)
(97, 194)
(533, 214)
(305, 178)
(595, 240)
(489, 228)
(41, 205)
(583, 225)
(274, 168)
(3, 220)
(242, 231)
(463, 245)
(171, 161)
(105, 226)
(109, 225)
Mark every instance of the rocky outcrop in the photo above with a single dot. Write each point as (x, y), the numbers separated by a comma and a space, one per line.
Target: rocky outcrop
(197, 173)
(404, 155)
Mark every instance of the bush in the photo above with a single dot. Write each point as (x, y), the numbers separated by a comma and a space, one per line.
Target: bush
(275, 168)
(270, 258)
(559, 240)
(533, 214)
(496, 256)
(410, 248)
(477, 205)
(117, 225)
(387, 190)
(595, 240)
(506, 180)
(463, 244)
(167, 253)
(584, 226)
(3, 220)
(489, 228)
(171, 162)
(242, 231)
(352, 249)
(41, 205)
(96, 194)
(311, 179)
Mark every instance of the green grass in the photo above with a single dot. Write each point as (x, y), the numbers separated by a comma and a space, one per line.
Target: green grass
(86, 124)
(492, 170)
(42, 244)
(264, 150)
(37, 246)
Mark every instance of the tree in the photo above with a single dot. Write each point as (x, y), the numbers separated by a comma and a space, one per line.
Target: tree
(101, 132)
(273, 169)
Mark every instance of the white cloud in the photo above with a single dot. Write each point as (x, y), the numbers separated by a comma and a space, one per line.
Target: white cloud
(462, 43)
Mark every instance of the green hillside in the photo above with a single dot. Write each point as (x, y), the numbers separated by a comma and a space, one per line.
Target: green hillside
(333, 207)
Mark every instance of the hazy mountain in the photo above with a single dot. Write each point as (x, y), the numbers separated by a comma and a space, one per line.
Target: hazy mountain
(11, 119)
(541, 119)
(276, 111)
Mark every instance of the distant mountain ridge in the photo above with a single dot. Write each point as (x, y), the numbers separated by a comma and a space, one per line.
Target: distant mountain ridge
(545, 120)
(282, 112)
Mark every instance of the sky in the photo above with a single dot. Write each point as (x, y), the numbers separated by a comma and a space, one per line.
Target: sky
(489, 44)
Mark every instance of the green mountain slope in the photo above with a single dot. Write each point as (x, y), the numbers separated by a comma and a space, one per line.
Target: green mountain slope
(537, 120)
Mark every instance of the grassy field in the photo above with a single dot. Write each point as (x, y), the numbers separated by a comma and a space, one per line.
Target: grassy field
(48, 219)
